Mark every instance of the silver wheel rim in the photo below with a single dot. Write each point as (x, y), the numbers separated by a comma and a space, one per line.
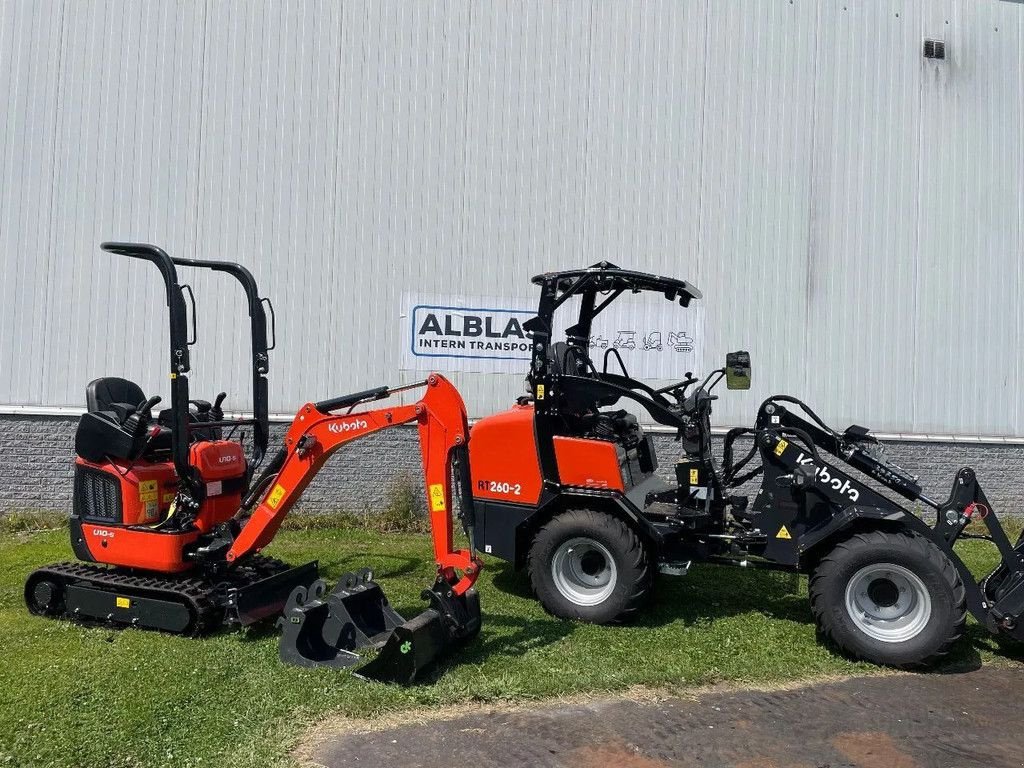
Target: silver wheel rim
(887, 602)
(584, 571)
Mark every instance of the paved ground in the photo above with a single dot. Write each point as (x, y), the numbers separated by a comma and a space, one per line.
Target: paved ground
(908, 721)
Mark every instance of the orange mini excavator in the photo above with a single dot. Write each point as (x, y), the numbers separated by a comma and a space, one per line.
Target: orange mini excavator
(169, 514)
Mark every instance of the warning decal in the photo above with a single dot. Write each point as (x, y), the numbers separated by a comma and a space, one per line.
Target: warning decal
(436, 497)
(275, 496)
(783, 533)
(782, 446)
(148, 491)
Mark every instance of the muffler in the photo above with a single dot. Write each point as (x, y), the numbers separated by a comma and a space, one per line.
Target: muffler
(329, 630)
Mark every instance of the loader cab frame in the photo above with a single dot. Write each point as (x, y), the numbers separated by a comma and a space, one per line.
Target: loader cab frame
(563, 379)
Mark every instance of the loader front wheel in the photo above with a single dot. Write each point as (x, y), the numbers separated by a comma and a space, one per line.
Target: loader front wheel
(589, 565)
(891, 598)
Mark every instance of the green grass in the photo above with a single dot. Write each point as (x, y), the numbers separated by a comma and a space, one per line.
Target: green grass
(74, 696)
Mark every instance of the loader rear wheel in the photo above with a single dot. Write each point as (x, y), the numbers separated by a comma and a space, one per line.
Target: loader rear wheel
(889, 598)
(589, 565)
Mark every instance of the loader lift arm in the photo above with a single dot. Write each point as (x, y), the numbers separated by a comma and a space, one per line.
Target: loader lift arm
(788, 446)
(316, 433)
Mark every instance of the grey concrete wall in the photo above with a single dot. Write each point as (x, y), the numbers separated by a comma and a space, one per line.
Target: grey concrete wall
(36, 455)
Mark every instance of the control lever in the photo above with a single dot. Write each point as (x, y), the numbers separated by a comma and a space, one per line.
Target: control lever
(146, 407)
(216, 413)
(137, 421)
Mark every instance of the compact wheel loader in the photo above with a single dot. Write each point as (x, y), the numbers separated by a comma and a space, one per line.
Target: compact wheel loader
(565, 485)
(170, 514)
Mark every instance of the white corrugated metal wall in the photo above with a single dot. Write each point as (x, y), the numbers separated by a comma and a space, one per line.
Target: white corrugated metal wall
(853, 212)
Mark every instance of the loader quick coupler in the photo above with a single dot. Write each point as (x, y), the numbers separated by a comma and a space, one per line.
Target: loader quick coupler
(329, 630)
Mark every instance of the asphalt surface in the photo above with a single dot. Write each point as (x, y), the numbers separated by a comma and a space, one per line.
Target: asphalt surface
(905, 721)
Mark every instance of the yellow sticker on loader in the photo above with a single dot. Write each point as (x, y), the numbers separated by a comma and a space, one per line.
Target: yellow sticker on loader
(783, 445)
(783, 533)
(148, 491)
(275, 496)
(694, 477)
(540, 391)
(436, 497)
(123, 602)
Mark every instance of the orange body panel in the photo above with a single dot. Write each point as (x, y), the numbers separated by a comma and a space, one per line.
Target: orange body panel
(138, 548)
(503, 457)
(147, 488)
(588, 463)
(219, 462)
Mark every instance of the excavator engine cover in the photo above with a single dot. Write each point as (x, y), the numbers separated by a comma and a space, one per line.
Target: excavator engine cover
(329, 631)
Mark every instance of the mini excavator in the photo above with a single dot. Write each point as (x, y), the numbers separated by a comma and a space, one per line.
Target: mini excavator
(170, 516)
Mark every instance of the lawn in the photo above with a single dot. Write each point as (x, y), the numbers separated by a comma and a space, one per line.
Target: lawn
(73, 696)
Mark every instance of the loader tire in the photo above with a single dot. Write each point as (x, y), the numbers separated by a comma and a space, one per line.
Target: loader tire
(590, 566)
(891, 598)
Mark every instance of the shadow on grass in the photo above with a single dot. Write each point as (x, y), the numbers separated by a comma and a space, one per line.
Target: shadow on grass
(515, 636)
(711, 592)
(707, 592)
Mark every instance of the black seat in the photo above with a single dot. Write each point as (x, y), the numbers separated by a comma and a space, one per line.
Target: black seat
(105, 430)
(112, 393)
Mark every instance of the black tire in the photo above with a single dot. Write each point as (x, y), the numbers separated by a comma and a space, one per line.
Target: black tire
(630, 574)
(935, 611)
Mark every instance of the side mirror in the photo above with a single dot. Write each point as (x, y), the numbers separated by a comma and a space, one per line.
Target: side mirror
(737, 370)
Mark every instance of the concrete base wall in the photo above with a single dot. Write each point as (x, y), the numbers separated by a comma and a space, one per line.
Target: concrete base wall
(36, 457)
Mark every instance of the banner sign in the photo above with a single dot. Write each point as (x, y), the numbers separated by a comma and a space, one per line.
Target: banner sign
(656, 338)
(461, 333)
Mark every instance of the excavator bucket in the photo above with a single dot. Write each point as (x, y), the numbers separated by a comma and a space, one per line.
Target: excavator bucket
(331, 630)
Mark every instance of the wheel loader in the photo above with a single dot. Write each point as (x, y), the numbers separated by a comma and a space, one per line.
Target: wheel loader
(566, 485)
(170, 514)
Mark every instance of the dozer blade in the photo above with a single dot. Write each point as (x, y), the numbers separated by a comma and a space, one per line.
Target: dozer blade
(265, 598)
(329, 631)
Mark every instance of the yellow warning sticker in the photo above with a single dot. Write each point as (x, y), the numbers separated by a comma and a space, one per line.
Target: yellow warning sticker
(783, 533)
(540, 391)
(694, 477)
(168, 497)
(275, 496)
(123, 602)
(783, 445)
(148, 491)
(436, 497)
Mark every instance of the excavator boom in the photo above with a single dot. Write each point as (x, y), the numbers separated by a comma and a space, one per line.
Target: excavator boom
(324, 630)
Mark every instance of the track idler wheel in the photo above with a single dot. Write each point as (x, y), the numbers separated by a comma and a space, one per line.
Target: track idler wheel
(329, 630)
(44, 596)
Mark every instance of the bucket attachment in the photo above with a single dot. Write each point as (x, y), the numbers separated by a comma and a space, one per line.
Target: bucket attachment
(328, 631)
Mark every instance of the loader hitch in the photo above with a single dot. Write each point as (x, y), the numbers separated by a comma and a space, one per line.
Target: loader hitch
(321, 629)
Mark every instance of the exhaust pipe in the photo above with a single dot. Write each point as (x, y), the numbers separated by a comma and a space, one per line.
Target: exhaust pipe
(331, 630)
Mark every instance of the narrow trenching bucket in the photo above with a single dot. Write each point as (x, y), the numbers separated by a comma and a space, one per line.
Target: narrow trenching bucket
(329, 631)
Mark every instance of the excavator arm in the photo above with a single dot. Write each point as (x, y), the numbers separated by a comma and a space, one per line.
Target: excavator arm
(316, 433)
(321, 628)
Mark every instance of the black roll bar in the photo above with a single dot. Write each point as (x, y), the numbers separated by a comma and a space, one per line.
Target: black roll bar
(179, 360)
(260, 348)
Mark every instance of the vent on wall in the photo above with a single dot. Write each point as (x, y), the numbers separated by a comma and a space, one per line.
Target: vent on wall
(934, 49)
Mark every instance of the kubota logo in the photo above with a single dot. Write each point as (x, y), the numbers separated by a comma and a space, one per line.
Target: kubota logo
(823, 476)
(341, 427)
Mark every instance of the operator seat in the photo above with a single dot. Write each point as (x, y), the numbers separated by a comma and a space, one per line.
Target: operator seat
(112, 393)
(107, 430)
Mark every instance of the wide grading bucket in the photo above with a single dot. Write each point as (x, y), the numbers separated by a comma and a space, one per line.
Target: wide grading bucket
(329, 630)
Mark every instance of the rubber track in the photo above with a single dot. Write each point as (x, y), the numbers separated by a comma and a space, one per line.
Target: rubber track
(204, 597)
(929, 550)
